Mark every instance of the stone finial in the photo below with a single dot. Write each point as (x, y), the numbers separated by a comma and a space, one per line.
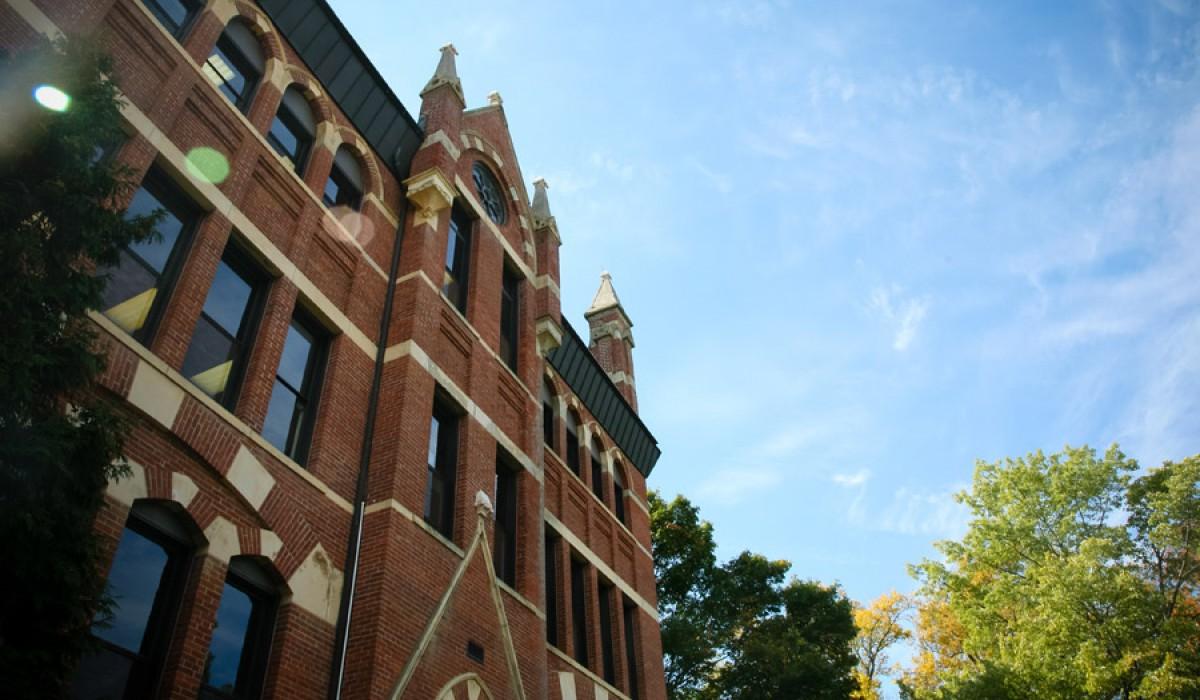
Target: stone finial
(541, 203)
(606, 296)
(483, 505)
(446, 72)
(494, 99)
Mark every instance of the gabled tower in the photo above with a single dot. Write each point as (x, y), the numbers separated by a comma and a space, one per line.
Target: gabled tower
(611, 339)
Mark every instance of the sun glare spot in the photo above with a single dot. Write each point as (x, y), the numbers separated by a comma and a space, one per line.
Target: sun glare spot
(51, 98)
(208, 164)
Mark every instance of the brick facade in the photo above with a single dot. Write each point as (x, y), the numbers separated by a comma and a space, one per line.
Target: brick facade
(421, 596)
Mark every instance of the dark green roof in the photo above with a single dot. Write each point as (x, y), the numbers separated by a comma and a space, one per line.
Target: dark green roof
(576, 365)
(333, 56)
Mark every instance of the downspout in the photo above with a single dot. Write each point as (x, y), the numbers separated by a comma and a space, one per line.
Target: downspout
(341, 637)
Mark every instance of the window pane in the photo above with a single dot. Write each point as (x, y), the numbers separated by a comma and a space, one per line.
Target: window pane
(174, 14)
(215, 350)
(606, 634)
(579, 620)
(283, 416)
(597, 479)
(551, 556)
(133, 583)
(228, 298)
(209, 362)
(228, 639)
(284, 140)
(630, 614)
(330, 196)
(223, 71)
(156, 250)
(297, 350)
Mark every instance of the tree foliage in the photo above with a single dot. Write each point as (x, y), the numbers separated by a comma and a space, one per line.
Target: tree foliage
(880, 625)
(59, 440)
(741, 629)
(1074, 580)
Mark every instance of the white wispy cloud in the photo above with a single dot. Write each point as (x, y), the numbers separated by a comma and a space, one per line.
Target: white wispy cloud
(852, 480)
(926, 513)
(904, 315)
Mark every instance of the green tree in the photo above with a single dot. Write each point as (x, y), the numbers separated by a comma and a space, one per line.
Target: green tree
(803, 651)
(60, 442)
(1074, 580)
(740, 629)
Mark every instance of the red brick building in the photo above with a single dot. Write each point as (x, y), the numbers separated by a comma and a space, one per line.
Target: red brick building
(370, 457)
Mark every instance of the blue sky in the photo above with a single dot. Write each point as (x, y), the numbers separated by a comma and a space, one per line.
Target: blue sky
(863, 244)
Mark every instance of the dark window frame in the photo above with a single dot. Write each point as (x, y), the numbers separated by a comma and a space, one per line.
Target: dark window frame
(179, 30)
(491, 193)
(292, 123)
(299, 438)
(629, 615)
(457, 271)
(176, 203)
(260, 633)
(619, 495)
(608, 664)
(505, 546)
(148, 661)
(345, 184)
(572, 446)
(552, 585)
(549, 415)
(597, 473)
(260, 281)
(445, 470)
(510, 317)
(233, 56)
(579, 612)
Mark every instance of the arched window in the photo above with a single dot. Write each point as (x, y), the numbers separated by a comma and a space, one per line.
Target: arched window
(294, 128)
(344, 188)
(236, 64)
(597, 469)
(618, 476)
(549, 429)
(146, 583)
(241, 641)
(572, 446)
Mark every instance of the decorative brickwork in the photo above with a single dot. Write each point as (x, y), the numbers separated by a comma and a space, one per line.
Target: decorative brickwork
(430, 617)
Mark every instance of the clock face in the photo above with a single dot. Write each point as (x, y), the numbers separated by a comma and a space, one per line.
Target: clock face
(490, 193)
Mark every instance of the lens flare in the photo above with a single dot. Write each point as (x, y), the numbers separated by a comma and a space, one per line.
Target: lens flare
(208, 164)
(51, 98)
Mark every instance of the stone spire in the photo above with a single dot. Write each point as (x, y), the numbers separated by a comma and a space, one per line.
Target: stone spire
(606, 297)
(611, 340)
(446, 73)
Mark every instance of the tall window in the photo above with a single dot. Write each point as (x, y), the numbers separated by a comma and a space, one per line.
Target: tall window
(139, 284)
(293, 408)
(551, 587)
(293, 129)
(216, 357)
(619, 493)
(236, 64)
(607, 620)
(458, 251)
(509, 318)
(344, 188)
(504, 554)
(579, 621)
(145, 583)
(549, 431)
(443, 462)
(631, 660)
(175, 15)
(241, 641)
(597, 470)
(573, 443)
